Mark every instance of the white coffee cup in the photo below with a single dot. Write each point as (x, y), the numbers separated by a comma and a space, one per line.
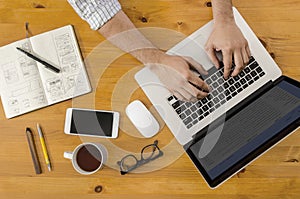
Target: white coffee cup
(87, 158)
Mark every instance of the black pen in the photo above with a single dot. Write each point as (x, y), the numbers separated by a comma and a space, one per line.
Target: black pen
(39, 59)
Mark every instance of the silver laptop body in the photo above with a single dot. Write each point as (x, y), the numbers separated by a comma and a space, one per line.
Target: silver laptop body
(193, 46)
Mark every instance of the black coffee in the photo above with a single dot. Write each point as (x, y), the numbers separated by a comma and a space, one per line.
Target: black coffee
(88, 158)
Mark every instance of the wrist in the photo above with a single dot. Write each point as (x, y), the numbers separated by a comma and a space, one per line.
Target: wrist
(224, 19)
(222, 12)
(149, 55)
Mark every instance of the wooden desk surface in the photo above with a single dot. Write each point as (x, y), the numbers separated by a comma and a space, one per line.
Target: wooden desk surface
(274, 175)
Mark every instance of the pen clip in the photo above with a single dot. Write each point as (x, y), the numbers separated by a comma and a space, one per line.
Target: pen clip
(28, 32)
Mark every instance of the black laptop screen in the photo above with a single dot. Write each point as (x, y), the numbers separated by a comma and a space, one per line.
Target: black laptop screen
(261, 121)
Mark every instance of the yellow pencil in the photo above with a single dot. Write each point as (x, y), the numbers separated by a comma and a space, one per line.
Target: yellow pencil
(44, 147)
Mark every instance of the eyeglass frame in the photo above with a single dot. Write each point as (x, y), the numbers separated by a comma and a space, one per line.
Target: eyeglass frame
(143, 160)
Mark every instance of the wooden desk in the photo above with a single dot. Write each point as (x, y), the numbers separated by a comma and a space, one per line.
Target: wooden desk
(274, 175)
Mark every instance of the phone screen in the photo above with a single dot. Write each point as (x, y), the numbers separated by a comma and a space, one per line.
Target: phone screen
(96, 123)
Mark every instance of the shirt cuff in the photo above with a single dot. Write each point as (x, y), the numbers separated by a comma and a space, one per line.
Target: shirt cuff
(96, 12)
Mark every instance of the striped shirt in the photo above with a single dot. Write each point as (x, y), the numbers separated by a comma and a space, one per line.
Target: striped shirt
(96, 12)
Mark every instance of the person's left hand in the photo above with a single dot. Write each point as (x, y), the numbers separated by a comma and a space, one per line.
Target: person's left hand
(228, 39)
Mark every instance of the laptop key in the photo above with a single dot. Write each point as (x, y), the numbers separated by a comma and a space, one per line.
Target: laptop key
(253, 73)
(220, 81)
(251, 59)
(193, 108)
(221, 96)
(226, 85)
(231, 88)
(237, 85)
(242, 74)
(258, 69)
(219, 74)
(205, 108)
(198, 104)
(216, 100)
(236, 78)
(194, 115)
(170, 98)
(176, 104)
(182, 116)
(187, 120)
(188, 104)
(214, 93)
(243, 81)
(178, 111)
(188, 112)
(245, 86)
(227, 92)
(220, 89)
(204, 100)
(248, 77)
(209, 97)
(199, 112)
(231, 81)
(261, 74)
(253, 65)
(214, 77)
(215, 85)
(182, 107)
(208, 81)
(210, 104)
(247, 70)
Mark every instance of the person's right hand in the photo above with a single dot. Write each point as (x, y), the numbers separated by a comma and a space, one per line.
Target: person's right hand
(228, 38)
(175, 73)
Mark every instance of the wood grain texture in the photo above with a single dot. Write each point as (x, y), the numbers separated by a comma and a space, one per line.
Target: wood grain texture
(274, 175)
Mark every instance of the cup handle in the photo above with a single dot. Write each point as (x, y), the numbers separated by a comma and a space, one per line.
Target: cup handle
(68, 155)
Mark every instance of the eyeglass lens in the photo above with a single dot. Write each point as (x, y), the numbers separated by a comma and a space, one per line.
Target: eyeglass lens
(149, 151)
(128, 162)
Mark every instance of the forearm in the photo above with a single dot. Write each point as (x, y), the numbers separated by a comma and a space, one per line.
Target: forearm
(222, 11)
(121, 32)
(110, 21)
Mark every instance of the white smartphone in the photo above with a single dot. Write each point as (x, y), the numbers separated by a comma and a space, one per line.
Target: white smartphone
(96, 123)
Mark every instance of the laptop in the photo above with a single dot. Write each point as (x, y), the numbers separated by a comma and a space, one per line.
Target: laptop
(240, 119)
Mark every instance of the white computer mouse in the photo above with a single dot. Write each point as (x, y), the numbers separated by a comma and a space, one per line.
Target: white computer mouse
(142, 119)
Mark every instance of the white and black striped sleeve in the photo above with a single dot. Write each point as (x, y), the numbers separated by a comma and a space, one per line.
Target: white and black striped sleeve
(96, 12)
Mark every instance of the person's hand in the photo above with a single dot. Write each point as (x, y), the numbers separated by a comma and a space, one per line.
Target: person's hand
(175, 73)
(228, 39)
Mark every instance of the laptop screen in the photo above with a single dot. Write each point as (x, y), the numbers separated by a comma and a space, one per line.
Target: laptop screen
(244, 136)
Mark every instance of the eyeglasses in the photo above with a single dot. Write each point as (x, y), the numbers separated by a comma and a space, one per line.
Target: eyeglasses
(148, 153)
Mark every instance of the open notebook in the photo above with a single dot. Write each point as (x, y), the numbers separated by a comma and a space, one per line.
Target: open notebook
(26, 85)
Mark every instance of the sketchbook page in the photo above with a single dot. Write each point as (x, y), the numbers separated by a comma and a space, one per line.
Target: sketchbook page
(20, 83)
(60, 47)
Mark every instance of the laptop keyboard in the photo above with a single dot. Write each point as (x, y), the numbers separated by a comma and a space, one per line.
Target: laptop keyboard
(221, 91)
